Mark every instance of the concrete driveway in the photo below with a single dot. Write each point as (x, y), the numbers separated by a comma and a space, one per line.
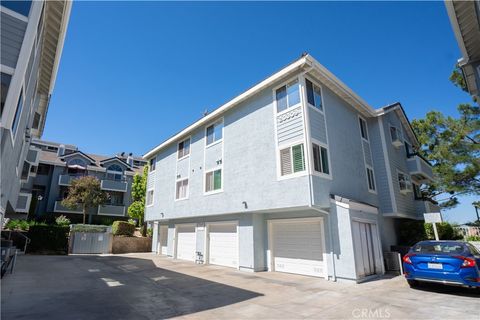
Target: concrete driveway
(147, 286)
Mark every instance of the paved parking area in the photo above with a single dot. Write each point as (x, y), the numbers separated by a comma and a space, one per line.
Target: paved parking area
(147, 286)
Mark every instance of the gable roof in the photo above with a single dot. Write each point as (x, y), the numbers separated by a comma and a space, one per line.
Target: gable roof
(398, 109)
(80, 153)
(115, 158)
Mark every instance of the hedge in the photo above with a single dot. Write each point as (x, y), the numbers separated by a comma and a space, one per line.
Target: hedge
(89, 228)
(76, 218)
(445, 231)
(122, 228)
(48, 239)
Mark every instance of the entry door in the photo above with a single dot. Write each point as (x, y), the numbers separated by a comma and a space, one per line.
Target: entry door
(163, 239)
(223, 244)
(298, 247)
(364, 240)
(186, 242)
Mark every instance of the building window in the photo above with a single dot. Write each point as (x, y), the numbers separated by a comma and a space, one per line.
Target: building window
(25, 170)
(213, 180)
(288, 96)
(363, 128)
(320, 159)
(314, 95)
(6, 79)
(409, 150)
(18, 113)
(115, 172)
(152, 165)
(115, 198)
(292, 159)
(404, 182)
(181, 189)
(149, 197)
(214, 132)
(21, 7)
(184, 148)
(43, 169)
(417, 193)
(370, 179)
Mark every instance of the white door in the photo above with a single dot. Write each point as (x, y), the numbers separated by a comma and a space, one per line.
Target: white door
(186, 242)
(365, 245)
(298, 247)
(223, 244)
(163, 242)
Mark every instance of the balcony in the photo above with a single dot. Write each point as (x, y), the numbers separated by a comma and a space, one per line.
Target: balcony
(111, 210)
(420, 170)
(23, 202)
(114, 185)
(33, 156)
(59, 208)
(430, 207)
(66, 179)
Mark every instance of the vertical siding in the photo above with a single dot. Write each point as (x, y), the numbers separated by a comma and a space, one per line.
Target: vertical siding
(367, 153)
(13, 31)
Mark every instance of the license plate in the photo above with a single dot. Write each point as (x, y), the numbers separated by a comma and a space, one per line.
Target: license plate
(434, 266)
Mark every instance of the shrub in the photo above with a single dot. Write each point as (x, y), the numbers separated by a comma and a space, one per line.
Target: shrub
(473, 238)
(150, 232)
(12, 224)
(132, 221)
(51, 239)
(90, 228)
(62, 220)
(411, 232)
(23, 225)
(445, 231)
(122, 228)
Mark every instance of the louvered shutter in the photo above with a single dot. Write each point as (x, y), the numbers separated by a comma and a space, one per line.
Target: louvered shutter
(298, 159)
(285, 161)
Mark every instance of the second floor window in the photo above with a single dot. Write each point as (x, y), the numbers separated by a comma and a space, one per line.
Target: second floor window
(181, 189)
(114, 172)
(184, 148)
(320, 159)
(287, 96)
(404, 182)
(149, 197)
(363, 128)
(18, 114)
(214, 132)
(314, 95)
(152, 164)
(370, 179)
(213, 180)
(292, 160)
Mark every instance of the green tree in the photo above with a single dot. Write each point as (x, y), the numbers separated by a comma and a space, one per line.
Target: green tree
(139, 189)
(86, 193)
(452, 145)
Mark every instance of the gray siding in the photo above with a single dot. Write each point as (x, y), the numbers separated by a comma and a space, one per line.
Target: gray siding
(13, 31)
(317, 125)
(290, 126)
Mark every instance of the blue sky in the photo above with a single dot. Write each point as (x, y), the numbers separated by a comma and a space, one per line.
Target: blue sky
(134, 73)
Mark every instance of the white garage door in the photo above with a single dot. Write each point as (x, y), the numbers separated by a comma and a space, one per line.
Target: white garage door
(298, 247)
(223, 244)
(186, 242)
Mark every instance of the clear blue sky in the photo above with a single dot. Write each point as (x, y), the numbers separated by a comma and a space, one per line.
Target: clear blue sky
(134, 73)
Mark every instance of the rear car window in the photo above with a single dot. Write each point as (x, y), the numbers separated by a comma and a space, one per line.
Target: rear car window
(445, 248)
(473, 250)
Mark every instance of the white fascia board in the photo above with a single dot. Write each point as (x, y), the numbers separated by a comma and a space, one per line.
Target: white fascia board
(250, 92)
(456, 30)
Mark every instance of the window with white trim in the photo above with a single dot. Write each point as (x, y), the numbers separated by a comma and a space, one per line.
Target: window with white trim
(150, 197)
(292, 160)
(18, 113)
(370, 179)
(152, 165)
(115, 172)
(320, 159)
(314, 95)
(287, 96)
(213, 180)
(184, 148)
(395, 134)
(214, 132)
(181, 189)
(404, 182)
(363, 128)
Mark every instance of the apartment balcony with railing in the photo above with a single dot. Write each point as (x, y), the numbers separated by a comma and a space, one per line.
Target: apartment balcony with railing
(60, 208)
(114, 185)
(419, 169)
(111, 210)
(66, 179)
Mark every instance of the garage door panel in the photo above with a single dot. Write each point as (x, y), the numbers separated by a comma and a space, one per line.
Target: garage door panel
(186, 243)
(223, 245)
(298, 247)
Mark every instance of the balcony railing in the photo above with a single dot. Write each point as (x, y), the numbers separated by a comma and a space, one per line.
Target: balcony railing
(431, 207)
(66, 179)
(111, 210)
(114, 185)
(59, 208)
(420, 169)
(33, 156)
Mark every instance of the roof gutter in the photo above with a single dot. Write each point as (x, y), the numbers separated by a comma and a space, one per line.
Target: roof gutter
(295, 66)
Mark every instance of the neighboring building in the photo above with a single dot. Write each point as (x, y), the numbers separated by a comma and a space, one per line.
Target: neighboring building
(32, 36)
(57, 165)
(465, 20)
(298, 174)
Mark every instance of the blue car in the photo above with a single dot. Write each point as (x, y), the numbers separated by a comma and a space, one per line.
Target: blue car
(447, 262)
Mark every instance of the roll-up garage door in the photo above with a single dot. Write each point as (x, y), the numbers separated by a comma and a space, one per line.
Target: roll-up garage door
(223, 244)
(186, 242)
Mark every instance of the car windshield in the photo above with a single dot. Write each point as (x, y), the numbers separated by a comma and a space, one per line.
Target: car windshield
(439, 248)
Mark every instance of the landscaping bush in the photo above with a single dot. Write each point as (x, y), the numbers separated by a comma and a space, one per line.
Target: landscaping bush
(122, 228)
(132, 221)
(473, 238)
(411, 232)
(89, 228)
(51, 239)
(18, 225)
(445, 231)
(62, 221)
(150, 232)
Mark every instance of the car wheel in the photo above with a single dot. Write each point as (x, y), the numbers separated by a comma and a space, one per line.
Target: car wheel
(412, 283)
